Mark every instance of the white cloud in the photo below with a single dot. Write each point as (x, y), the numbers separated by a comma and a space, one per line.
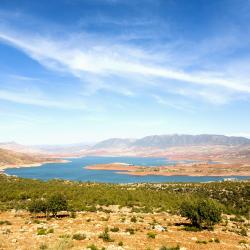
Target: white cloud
(88, 57)
(32, 98)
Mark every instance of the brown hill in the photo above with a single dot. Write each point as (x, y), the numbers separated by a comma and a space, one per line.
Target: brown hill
(8, 157)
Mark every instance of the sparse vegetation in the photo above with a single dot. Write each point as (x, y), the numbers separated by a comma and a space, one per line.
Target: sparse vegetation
(170, 248)
(5, 222)
(201, 242)
(43, 246)
(41, 231)
(242, 242)
(151, 235)
(92, 247)
(120, 243)
(133, 219)
(34, 195)
(105, 236)
(79, 236)
(114, 229)
(130, 230)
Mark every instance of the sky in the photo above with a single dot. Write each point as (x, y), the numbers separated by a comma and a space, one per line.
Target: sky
(85, 70)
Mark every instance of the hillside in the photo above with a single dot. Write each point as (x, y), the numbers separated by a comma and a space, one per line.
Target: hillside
(120, 217)
(165, 141)
(8, 157)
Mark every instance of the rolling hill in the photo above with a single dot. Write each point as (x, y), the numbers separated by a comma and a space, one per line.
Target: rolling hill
(8, 157)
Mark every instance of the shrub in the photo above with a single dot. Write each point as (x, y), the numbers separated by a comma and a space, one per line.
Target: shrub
(50, 231)
(216, 240)
(73, 215)
(41, 231)
(151, 235)
(79, 236)
(237, 219)
(170, 248)
(120, 244)
(37, 206)
(133, 219)
(242, 242)
(43, 246)
(105, 236)
(115, 229)
(243, 232)
(64, 236)
(5, 222)
(92, 247)
(203, 213)
(201, 242)
(130, 230)
(57, 203)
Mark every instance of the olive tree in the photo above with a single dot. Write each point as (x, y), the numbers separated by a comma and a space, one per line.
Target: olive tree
(57, 203)
(202, 213)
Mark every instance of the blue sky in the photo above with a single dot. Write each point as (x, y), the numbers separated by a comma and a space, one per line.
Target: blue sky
(86, 70)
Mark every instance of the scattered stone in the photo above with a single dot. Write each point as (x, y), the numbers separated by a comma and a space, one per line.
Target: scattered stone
(159, 228)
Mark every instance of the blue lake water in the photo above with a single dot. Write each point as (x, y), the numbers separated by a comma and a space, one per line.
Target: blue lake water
(74, 170)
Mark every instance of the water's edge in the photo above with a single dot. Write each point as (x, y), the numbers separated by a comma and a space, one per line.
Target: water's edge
(74, 170)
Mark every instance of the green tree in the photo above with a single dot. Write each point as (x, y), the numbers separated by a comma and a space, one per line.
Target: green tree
(202, 213)
(57, 203)
(37, 206)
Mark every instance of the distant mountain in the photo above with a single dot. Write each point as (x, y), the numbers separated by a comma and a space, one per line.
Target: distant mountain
(120, 145)
(62, 149)
(19, 147)
(8, 157)
(114, 143)
(45, 149)
(175, 140)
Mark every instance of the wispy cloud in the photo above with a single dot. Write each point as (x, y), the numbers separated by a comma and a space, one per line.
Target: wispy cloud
(31, 98)
(100, 62)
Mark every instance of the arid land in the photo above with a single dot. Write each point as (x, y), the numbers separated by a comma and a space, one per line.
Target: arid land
(21, 231)
(196, 169)
(12, 159)
(207, 161)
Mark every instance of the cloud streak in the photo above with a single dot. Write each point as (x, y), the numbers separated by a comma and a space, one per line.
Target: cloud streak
(30, 98)
(107, 63)
(100, 60)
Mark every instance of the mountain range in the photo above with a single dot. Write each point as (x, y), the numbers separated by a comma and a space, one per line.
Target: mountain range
(154, 141)
(175, 140)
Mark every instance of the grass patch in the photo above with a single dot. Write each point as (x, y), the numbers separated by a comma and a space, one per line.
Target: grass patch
(79, 236)
(151, 235)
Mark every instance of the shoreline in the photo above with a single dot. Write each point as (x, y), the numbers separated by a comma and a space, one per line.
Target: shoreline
(28, 165)
(195, 170)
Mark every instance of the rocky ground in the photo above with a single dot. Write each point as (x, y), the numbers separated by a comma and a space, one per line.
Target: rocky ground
(127, 230)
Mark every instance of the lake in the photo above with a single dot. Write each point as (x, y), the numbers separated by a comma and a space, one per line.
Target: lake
(74, 170)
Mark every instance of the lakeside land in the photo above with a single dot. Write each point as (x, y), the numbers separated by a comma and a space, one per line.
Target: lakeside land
(189, 169)
(12, 159)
